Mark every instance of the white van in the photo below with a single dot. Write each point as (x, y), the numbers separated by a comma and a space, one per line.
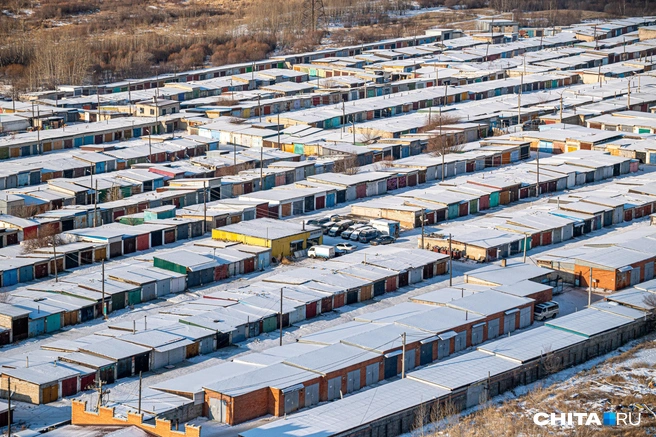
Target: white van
(547, 310)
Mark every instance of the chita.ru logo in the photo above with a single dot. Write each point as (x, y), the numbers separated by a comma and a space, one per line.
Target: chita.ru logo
(608, 418)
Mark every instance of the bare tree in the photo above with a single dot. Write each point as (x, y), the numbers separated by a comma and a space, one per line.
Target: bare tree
(113, 193)
(25, 211)
(48, 239)
(440, 144)
(347, 165)
(370, 136)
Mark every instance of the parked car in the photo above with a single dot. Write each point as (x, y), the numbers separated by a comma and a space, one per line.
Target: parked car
(368, 235)
(382, 240)
(318, 222)
(347, 233)
(333, 217)
(321, 251)
(356, 234)
(339, 227)
(325, 228)
(546, 310)
(345, 247)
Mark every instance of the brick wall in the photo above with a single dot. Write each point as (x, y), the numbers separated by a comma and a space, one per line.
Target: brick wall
(21, 390)
(162, 428)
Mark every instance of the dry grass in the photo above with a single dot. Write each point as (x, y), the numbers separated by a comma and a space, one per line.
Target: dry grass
(611, 385)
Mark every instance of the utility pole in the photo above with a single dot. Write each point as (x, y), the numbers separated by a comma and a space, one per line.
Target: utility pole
(422, 229)
(54, 252)
(519, 102)
(279, 131)
(537, 189)
(98, 104)
(9, 406)
(590, 288)
(525, 242)
(403, 356)
(95, 205)
(450, 263)
(442, 146)
(262, 168)
(104, 307)
(561, 107)
(628, 99)
(353, 124)
(343, 116)
(234, 156)
(599, 74)
(259, 107)
(100, 393)
(150, 147)
(140, 392)
(280, 316)
(204, 206)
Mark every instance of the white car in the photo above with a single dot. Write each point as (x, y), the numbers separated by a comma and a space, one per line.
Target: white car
(345, 247)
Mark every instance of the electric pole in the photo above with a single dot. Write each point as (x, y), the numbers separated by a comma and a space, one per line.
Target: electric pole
(422, 228)
(102, 287)
(280, 316)
(9, 406)
(54, 253)
(450, 263)
(403, 356)
(95, 205)
(204, 206)
(140, 391)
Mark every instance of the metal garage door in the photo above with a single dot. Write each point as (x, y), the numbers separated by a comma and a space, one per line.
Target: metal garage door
(353, 381)
(492, 329)
(218, 410)
(461, 341)
(635, 275)
(160, 359)
(50, 394)
(426, 353)
(379, 288)
(410, 359)
(509, 321)
(334, 387)
(416, 275)
(312, 395)
(524, 317)
(443, 348)
(373, 374)
(297, 207)
(649, 271)
(291, 400)
(476, 394)
(391, 365)
(477, 333)
(148, 291)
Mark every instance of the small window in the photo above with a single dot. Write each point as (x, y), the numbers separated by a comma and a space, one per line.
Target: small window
(152, 112)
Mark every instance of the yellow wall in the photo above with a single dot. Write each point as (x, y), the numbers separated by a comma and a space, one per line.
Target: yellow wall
(278, 246)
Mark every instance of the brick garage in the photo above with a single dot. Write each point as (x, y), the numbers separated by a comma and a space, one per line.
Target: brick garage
(40, 384)
(252, 394)
(342, 368)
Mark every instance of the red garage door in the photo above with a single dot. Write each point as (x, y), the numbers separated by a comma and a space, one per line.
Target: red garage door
(69, 386)
(311, 310)
(320, 202)
(546, 238)
(361, 191)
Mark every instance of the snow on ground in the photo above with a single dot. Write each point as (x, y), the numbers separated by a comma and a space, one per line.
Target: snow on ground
(46, 415)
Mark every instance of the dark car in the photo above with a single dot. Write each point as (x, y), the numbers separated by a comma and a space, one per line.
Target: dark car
(318, 222)
(368, 235)
(382, 240)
